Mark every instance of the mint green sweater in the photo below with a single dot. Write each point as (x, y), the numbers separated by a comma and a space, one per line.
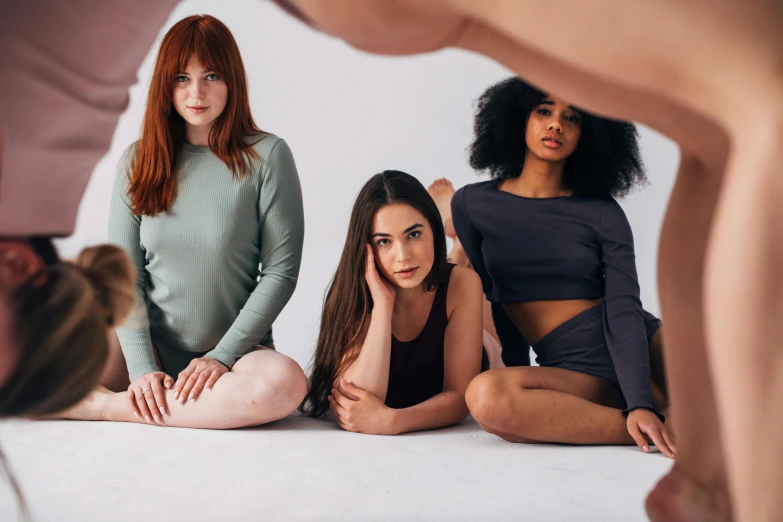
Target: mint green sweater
(201, 287)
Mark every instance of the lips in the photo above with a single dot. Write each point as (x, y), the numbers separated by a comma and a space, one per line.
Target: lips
(551, 138)
(197, 110)
(408, 272)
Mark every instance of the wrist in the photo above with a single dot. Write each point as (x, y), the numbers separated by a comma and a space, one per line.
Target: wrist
(393, 422)
(382, 310)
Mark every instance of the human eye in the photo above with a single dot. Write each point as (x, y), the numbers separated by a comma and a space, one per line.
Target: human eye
(213, 77)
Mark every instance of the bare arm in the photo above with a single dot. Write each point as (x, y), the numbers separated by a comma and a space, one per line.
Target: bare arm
(462, 356)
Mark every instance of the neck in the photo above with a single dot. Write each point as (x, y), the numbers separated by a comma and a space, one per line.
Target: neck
(407, 296)
(197, 135)
(539, 179)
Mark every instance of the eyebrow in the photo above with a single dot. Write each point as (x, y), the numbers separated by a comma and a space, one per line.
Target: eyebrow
(202, 72)
(550, 102)
(409, 229)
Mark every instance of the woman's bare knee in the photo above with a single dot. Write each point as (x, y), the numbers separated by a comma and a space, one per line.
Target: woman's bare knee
(278, 386)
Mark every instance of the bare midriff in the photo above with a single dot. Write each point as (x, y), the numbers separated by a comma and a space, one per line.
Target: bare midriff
(535, 319)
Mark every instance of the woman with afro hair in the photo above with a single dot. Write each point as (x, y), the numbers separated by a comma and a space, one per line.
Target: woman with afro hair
(555, 254)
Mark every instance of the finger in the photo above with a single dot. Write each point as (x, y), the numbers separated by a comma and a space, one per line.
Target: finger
(149, 398)
(669, 439)
(637, 436)
(341, 399)
(188, 386)
(212, 379)
(199, 386)
(350, 390)
(655, 435)
(144, 411)
(168, 382)
(130, 395)
(338, 410)
(159, 395)
(182, 378)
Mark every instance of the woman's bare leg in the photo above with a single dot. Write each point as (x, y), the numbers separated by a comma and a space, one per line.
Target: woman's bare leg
(442, 191)
(696, 489)
(744, 312)
(262, 387)
(548, 405)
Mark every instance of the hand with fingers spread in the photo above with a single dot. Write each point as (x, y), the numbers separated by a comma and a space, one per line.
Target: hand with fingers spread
(147, 396)
(360, 411)
(201, 374)
(644, 425)
(382, 291)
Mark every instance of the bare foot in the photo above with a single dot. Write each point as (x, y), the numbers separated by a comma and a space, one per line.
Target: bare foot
(93, 407)
(677, 498)
(442, 191)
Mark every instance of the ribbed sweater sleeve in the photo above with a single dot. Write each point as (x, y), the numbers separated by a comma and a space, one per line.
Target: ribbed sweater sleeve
(470, 238)
(124, 228)
(281, 229)
(626, 336)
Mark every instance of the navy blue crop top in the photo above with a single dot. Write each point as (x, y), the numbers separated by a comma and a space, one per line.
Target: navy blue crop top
(528, 249)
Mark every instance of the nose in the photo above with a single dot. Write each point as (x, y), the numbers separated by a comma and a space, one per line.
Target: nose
(555, 124)
(196, 89)
(403, 252)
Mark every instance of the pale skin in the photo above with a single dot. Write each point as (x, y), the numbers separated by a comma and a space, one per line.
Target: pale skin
(400, 257)
(262, 386)
(716, 88)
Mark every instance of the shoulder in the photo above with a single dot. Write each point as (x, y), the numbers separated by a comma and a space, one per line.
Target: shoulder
(268, 145)
(464, 284)
(468, 195)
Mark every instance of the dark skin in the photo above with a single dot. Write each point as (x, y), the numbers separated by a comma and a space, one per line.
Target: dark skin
(553, 404)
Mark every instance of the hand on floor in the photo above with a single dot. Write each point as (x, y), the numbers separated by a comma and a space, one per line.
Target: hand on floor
(201, 374)
(641, 423)
(360, 411)
(146, 396)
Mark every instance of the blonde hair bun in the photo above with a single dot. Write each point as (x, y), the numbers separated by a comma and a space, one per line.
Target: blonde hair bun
(113, 278)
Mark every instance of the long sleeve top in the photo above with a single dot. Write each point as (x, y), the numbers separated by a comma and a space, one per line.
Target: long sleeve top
(199, 279)
(532, 249)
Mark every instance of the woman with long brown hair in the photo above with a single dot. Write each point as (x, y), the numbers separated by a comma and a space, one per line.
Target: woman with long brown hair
(401, 328)
(200, 201)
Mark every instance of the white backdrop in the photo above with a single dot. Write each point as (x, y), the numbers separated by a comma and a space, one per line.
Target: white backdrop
(348, 115)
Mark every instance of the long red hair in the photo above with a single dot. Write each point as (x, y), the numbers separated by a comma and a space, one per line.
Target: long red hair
(153, 177)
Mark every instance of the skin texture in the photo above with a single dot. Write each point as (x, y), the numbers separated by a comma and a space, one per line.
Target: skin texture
(403, 239)
(715, 87)
(199, 96)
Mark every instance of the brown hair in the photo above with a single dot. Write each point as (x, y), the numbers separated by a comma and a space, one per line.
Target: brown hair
(61, 329)
(348, 300)
(152, 176)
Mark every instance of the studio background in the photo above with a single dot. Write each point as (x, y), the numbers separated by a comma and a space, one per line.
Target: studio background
(347, 115)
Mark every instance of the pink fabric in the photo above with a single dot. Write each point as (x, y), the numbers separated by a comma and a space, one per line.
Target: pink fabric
(67, 67)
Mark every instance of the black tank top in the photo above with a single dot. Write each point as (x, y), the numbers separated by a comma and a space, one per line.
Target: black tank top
(416, 367)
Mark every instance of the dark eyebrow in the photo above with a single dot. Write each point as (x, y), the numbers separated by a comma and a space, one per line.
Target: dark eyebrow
(550, 102)
(407, 230)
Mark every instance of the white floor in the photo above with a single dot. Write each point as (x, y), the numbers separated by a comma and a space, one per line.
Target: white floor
(301, 469)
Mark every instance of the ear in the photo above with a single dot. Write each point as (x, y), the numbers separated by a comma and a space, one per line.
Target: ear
(18, 263)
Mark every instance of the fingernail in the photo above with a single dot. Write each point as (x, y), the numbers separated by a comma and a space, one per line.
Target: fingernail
(135, 414)
(176, 395)
(147, 418)
(157, 419)
(162, 411)
(646, 448)
(190, 397)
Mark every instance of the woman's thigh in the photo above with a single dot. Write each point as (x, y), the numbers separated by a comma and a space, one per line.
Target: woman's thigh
(516, 380)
